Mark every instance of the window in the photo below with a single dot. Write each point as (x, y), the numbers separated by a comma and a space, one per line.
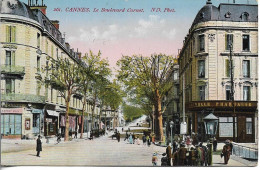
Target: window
(201, 43)
(38, 40)
(201, 68)
(51, 94)
(35, 120)
(228, 93)
(38, 90)
(228, 71)
(246, 68)
(246, 93)
(10, 58)
(9, 86)
(249, 125)
(11, 124)
(227, 123)
(245, 16)
(201, 93)
(246, 43)
(57, 52)
(11, 34)
(38, 64)
(47, 47)
(229, 41)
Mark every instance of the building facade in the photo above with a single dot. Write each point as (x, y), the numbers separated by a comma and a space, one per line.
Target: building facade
(205, 71)
(28, 108)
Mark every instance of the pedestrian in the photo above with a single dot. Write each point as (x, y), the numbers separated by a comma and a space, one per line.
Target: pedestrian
(226, 151)
(169, 154)
(118, 137)
(148, 141)
(205, 154)
(38, 146)
(122, 129)
(198, 156)
(144, 140)
(76, 134)
(192, 157)
(133, 138)
(175, 158)
(154, 159)
(130, 139)
(215, 143)
(126, 136)
(164, 160)
(182, 155)
(138, 140)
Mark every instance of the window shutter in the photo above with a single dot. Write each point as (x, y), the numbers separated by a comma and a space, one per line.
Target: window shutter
(7, 33)
(227, 68)
(13, 86)
(226, 40)
(13, 36)
(13, 58)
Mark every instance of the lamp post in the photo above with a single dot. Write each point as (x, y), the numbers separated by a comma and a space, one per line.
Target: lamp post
(211, 125)
(171, 125)
(165, 125)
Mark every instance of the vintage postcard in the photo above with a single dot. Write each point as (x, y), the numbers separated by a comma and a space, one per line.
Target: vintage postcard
(129, 83)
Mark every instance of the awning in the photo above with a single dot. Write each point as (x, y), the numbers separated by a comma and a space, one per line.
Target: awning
(53, 113)
(36, 111)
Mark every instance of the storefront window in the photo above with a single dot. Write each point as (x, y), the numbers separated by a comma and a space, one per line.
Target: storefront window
(249, 124)
(224, 124)
(11, 124)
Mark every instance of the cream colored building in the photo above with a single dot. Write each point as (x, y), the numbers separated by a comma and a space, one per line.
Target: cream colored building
(205, 70)
(27, 38)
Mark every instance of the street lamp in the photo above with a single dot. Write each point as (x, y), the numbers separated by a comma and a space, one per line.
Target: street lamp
(211, 125)
(171, 126)
(165, 125)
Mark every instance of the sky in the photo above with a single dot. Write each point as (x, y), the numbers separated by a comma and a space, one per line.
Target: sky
(127, 33)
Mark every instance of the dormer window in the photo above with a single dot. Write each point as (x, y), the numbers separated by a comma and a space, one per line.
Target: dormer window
(202, 15)
(228, 14)
(244, 16)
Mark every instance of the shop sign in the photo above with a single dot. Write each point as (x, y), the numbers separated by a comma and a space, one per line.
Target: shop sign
(12, 110)
(220, 104)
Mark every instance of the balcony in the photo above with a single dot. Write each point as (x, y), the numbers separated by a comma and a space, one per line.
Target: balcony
(13, 70)
(22, 98)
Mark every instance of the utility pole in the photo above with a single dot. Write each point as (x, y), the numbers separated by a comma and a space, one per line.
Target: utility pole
(232, 90)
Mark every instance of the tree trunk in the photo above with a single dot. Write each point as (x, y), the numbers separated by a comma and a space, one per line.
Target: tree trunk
(82, 119)
(93, 110)
(158, 107)
(66, 137)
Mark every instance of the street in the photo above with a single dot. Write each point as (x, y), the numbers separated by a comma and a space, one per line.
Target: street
(101, 151)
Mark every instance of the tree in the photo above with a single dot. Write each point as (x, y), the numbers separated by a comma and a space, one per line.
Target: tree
(62, 75)
(147, 78)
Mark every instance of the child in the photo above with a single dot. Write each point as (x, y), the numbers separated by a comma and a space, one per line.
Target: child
(154, 159)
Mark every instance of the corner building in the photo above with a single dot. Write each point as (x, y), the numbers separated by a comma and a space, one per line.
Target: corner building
(205, 71)
(28, 108)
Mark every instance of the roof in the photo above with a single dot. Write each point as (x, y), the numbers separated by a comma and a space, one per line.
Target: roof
(227, 12)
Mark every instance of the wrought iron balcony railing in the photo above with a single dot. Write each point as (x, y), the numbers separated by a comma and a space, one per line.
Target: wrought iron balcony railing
(22, 98)
(12, 69)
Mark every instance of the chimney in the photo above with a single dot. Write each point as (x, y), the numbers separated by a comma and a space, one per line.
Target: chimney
(56, 23)
(41, 7)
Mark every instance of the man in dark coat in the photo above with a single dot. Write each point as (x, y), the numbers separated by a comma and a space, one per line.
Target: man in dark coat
(169, 154)
(226, 151)
(118, 137)
(38, 145)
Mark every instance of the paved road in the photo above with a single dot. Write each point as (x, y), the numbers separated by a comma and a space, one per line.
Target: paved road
(100, 152)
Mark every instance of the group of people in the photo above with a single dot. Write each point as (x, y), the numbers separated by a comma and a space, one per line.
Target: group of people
(134, 139)
(182, 156)
(191, 153)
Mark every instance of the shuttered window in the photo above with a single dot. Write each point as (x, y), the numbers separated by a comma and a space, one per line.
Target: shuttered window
(10, 34)
(229, 41)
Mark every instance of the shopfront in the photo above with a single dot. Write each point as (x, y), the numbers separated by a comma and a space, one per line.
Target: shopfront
(37, 123)
(236, 118)
(11, 122)
(51, 123)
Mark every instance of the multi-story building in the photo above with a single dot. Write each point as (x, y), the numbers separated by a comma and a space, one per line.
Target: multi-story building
(205, 71)
(28, 37)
